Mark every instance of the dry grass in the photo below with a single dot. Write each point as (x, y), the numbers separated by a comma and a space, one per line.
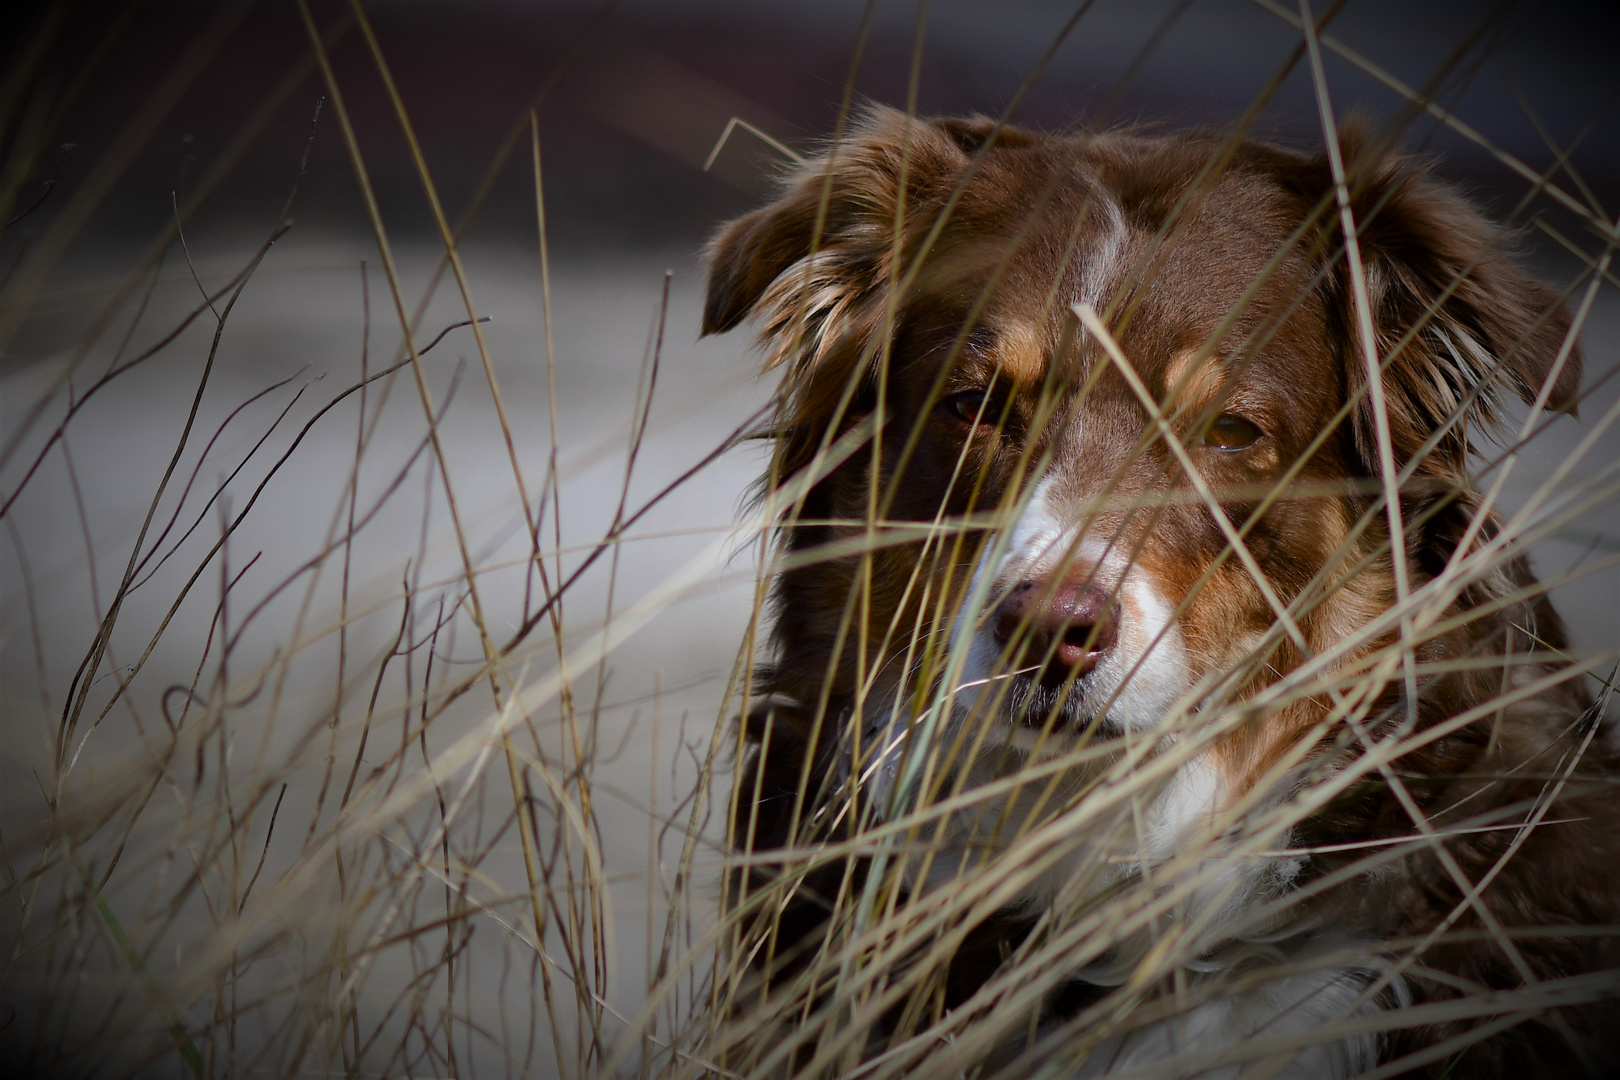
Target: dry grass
(366, 832)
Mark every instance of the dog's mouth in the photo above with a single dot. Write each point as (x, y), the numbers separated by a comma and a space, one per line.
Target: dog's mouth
(1050, 683)
(1045, 697)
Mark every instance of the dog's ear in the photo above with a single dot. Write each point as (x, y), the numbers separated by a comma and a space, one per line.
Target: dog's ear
(1458, 326)
(1457, 322)
(828, 238)
(827, 241)
(813, 268)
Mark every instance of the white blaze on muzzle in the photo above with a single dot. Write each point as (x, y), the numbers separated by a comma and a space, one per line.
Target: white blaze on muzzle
(1143, 670)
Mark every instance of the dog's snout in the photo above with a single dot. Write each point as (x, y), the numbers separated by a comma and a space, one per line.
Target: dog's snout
(1064, 628)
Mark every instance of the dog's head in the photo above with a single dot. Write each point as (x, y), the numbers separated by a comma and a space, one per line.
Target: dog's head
(1087, 421)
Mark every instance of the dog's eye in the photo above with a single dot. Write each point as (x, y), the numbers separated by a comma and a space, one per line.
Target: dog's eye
(1231, 432)
(973, 407)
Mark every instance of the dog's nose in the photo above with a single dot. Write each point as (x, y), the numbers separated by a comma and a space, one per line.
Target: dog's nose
(1067, 629)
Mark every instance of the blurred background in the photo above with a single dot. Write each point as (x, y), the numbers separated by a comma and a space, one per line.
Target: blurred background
(632, 96)
(120, 119)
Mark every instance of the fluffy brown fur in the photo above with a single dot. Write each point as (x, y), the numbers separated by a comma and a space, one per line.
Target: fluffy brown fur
(922, 278)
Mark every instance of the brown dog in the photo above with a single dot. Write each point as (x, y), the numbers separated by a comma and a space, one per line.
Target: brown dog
(1088, 619)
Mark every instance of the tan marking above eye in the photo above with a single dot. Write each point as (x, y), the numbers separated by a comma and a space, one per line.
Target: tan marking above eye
(1230, 431)
(1192, 387)
(1018, 351)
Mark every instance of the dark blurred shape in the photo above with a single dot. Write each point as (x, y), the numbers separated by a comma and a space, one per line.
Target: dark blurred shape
(646, 88)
